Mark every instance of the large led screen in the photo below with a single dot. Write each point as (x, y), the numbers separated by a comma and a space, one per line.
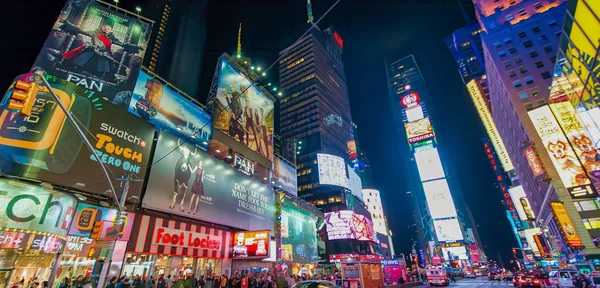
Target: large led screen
(562, 155)
(189, 182)
(517, 194)
(439, 199)
(298, 234)
(448, 230)
(45, 146)
(284, 176)
(529, 233)
(429, 164)
(251, 244)
(419, 130)
(243, 111)
(455, 253)
(355, 183)
(168, 110)
(96, 48)
(346, 224)
(332, 170)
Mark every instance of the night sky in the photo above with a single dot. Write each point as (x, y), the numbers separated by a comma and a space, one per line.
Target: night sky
(372, 31)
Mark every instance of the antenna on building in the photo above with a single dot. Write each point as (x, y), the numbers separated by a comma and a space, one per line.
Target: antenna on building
(463, 12)
(239, 46)
(310, 13)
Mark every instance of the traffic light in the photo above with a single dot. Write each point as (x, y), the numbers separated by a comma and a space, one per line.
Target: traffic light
(23, 97)
(97, 230)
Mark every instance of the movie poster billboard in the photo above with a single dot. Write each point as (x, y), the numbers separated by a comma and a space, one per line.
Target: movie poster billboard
(189, 182)
(563, 157)
(46, 147)
(284, 176)
(419, 130)
(168, 110)
(96, 48)
(243, 111)
(298, 234)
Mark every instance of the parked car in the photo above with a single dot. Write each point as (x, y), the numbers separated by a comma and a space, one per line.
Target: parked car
(315, 284)
(530, 281)
(493, 276)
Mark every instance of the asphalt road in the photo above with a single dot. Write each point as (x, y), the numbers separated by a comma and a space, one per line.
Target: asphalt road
(481, 282)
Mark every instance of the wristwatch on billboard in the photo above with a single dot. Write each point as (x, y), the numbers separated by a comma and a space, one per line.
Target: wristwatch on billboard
(45, 139)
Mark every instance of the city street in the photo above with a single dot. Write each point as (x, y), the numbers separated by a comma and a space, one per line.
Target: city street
(480, 282)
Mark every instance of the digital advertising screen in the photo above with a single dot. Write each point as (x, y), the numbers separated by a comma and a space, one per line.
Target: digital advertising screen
(96, 48)
(351, 149)
(429, 164)
(298, 234)
(46, 146)
(87, 214)
(565, 224)
(455, 253)
(419, 130)
(439, 199)
(243, 111)
(355, 183)
(448, 230)
(251, 244)
(168, 110)
(517, 194)
(562, 155)
(332, 170)
(414, 113)
(191, 183)
(284, 175)
(529, 233)
(346, 224)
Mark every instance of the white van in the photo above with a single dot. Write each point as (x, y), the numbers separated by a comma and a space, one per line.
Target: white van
(564, 278)
(436, 275)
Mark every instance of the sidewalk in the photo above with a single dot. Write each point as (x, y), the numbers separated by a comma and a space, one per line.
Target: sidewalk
(409, 284)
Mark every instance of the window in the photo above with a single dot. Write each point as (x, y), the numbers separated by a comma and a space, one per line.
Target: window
(320, 202)
(331, 200)
(529, 80)
(502, 53)
(528, 44)
(537, 5)
(553, 59)
(522, 35)
(548, 49)
(546, 75)
(591, 223)
(522, 12)
(523, 95)
(517, 84)
(497, 44)
(529, 106)
(512, 50)
(523, 69)
(540, 102)
(512, 73)
(534, 92)
(586, 205)
(518, 60)
(507, 63)
(536, 29)
(510, 17)
(507, 41)
(542, 39)
(552, 23)
(557, 33)
(533, 54)
(539, 64)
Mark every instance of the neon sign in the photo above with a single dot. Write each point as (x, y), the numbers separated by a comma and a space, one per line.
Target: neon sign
(338, 39)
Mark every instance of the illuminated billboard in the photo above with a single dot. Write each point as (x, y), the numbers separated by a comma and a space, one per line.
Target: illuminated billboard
(355, 183)
(351, 149)
(284, 176)
(488, 123)
(429, 164)
(414, 114)
(346, 224)
(529, 233)
(298, 233)
(448, 230)
(243, 111)
(332, 170)
(251, 244)
(565, 224)
(534, 162)
(96, 48)
(419, 130)
(517, 194)
(439, 199)
(455, 253)
(563, 157)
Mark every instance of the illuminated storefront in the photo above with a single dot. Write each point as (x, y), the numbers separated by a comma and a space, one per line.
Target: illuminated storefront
(173, 247)
(34, 225)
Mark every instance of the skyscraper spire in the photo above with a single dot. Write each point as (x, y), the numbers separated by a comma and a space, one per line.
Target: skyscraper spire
(239, 47)
(310, 13)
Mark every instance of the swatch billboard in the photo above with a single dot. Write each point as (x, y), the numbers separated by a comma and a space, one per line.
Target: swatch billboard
(284, 176)
(189, 182)
(96, 48)
(242, 110)
(168, 110)
(46, 147)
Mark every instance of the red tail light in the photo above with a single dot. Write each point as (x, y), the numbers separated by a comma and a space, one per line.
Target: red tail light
(536, 281)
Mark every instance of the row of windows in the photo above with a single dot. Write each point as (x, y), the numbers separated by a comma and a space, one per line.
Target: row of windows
(291, 65)
(304, 172)
(587, 205)
(337, 199)
(308, 186)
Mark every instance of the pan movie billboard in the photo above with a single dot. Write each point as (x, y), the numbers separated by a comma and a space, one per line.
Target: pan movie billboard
(243, 111)
(46, 147)
(96, 48)
(191, 183)
(168, 110)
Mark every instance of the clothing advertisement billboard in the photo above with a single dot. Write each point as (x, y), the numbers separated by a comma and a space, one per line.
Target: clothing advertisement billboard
(565, 225)
(448, 230)
(346, 224)
(332, 170)
(284, 176)
(298, 234)
(87, 214)
(189, 182)
(563, 157)
(96, 48)
(243, 111)
(429, 164)
(419, 130)
(251, 244)
(31, 207)
(439, 199)
(168, 110)
(46, 147)
(355, 183)
(517, 194)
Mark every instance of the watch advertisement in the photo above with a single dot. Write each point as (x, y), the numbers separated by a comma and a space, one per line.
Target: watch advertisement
(189, 182)
(166, 109)
(96, 48)
(251, 244)
(46, 146)
(31, 207)
(87, 214)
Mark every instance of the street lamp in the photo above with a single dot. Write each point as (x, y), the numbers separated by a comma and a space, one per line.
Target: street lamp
(116, 2)
(138, 10)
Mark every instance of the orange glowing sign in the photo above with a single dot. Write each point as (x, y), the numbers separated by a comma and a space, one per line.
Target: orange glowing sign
(565, 224)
